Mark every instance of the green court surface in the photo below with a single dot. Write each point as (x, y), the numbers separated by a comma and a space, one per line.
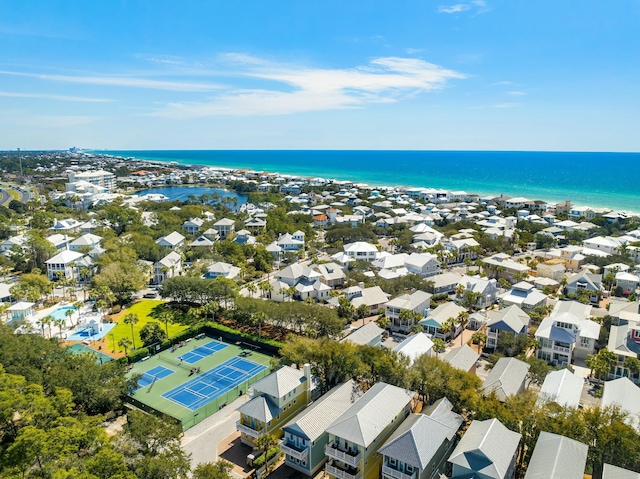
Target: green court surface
(167, 374)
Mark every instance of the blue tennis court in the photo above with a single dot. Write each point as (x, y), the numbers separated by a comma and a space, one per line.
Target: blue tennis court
(202, 352)
(208, 386)
(151, 375)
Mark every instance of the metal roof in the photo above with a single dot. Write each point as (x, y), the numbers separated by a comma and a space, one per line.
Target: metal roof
(280, 382)
(417, 440)
(260, 408)
(487, 447)
(506, 378)
(365, 420)
(462, 357)
(614, 472)
(364, 334)
(562, 387)
(312, 422)
(557, 457)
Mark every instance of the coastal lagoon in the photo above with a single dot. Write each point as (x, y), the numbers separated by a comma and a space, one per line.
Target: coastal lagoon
(594, 179)
(182, 193)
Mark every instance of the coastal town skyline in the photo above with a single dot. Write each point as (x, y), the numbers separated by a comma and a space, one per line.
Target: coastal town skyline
(473, 75)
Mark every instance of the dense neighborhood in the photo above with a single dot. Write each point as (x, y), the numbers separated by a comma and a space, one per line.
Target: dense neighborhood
(394, 332)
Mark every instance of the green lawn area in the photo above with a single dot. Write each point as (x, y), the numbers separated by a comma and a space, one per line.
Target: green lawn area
(142, 309)
(14, 194)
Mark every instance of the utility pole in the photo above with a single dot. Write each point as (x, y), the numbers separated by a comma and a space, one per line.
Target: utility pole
(20, 159)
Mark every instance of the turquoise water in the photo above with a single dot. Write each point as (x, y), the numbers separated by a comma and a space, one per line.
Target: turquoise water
(182, 193)
(81, 348)
(594, 179)
(60, 313)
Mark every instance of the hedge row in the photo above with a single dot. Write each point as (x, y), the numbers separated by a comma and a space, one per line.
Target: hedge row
(232, 335)
(212, 329)
(260, 461)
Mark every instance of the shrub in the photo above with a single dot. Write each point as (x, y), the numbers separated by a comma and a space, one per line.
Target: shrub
(137, 354)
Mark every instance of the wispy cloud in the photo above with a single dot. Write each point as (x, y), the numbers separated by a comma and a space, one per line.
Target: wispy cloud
(477, 7)
(122, 81)
(413, 51)
(500, 83)
(46, 96)
(301, 89)
(47, 121)
(506, 105)
(516, 93)
(171, 60)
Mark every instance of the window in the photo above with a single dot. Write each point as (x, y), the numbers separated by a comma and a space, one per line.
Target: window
(408, 468)
(393, 462)
(584, 342)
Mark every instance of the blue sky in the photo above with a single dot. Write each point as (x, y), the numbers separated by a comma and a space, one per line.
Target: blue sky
(420, 74)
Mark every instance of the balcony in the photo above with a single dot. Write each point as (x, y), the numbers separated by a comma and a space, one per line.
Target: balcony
(294, 451)
(395, 474)
(350, 473)
(351, 458)
(248, 430)
(562, 349)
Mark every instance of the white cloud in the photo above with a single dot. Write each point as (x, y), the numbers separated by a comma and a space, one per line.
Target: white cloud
(516, 93)
(413, 51)
(46, 96)
(499, 83)
(48, 121)
(506, 105)
(383, 80)
(122, 81)
(477, 6)
(459, 7)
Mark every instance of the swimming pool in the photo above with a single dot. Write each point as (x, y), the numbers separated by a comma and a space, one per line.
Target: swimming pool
(61, 312)
(101, 358)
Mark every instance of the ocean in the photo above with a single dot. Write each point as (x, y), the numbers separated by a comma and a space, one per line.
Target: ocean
(593, 179)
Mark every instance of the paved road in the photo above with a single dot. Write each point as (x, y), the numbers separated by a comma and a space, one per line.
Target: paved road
(5, 198)
(201, 440)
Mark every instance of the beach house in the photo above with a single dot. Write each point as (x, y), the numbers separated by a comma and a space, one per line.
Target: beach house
(512, 320)
(507, 378)
(304, 437)
(567, 333)
(420, 446)
(417, 302)
(355, 436)
(487, 451)
(275, 399)
(557, 457)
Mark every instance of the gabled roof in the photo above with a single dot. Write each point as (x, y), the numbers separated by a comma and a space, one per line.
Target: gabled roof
(173, 239)
(224, 222)
(364, 334)
(463, 357)
(614, 472)
(557, 457)
(417, 440)
(623, 393)
(414, 346)
(562, 387)
(86, 240)
(261, 408)
(312, 422)
(280, 382)
(511, 319)
(65, 257)
(365, 420)
(487, 447)
(506, 378)
(410, 301)
(170, 260)
(201, 241)
(443, 312)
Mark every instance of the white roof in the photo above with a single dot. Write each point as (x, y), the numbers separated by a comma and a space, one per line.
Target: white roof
(360, 246)
(562, 387)
(623, 393)
(557, 457)
(414, 346)
(65, 257)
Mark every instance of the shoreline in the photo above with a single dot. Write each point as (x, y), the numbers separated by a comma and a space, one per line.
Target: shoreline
(297, 171)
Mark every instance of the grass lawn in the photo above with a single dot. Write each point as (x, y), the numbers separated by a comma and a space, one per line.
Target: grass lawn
(142, 309)
(14, 194)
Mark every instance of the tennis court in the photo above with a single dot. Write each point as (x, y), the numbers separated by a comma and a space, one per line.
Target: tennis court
(208, 386)
(152, 375)
(202, 352)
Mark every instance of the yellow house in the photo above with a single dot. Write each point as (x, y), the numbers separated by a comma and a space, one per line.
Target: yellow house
(354, 438)
(275, 399)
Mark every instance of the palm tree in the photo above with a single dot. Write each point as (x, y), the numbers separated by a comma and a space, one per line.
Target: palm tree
(439, 346)
(252, 288)
(291, 290)
(416, 328)
(166, 317)
(132, 319)
(479, 338)
(60, 322)
(460, 289)
(69, 313)
(448, 327)
(384, 322)
(463, 321)
(124, 343)
(47, 320)
(258, 318)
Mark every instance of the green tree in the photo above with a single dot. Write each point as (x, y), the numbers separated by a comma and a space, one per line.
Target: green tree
(345, 308)
(439, 346)
(132, 319)
(125, 343)
(213, 470)
(122, 279)
(152, 333)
